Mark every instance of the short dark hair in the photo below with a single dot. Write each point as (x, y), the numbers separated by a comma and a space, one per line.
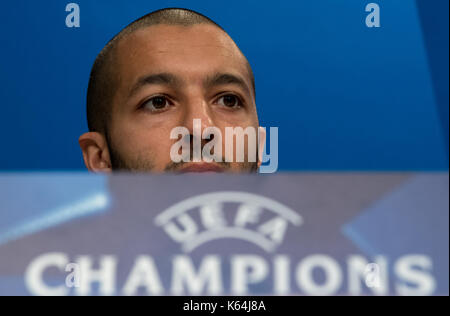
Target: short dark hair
(103, 79)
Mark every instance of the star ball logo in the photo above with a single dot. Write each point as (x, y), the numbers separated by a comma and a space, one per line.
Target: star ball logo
(247, 223)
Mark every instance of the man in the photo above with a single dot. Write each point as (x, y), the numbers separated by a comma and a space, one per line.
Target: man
(171, 68)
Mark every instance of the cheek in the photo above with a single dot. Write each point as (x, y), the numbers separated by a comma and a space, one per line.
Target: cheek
(231, 145)
(143, 142)
(242, 118)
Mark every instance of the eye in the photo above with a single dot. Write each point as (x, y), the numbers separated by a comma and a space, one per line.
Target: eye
(230, 101)
(157, 103)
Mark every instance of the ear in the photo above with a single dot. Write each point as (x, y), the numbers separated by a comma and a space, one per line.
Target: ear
(95, 152)
(261, 143)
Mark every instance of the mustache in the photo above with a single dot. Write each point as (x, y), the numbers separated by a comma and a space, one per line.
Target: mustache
(188, 158)
(176, 166)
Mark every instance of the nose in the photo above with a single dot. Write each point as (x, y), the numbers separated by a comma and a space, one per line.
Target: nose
(197, 116)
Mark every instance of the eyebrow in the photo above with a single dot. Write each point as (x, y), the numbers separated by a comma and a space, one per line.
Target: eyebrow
(160, 78)
(225, 78)
(172, 80)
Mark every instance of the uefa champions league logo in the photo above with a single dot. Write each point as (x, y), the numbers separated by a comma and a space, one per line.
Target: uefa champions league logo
(256, 219)
(218, 216)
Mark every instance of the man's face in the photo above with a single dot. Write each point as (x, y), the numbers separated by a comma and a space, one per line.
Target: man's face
(169, 76)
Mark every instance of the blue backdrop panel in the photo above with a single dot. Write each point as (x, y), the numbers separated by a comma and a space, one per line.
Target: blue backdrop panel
(344, 96)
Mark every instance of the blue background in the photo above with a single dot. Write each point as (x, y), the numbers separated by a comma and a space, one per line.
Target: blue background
(344, 96)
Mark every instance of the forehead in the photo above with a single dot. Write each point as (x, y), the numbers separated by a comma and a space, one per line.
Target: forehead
(183, 50)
